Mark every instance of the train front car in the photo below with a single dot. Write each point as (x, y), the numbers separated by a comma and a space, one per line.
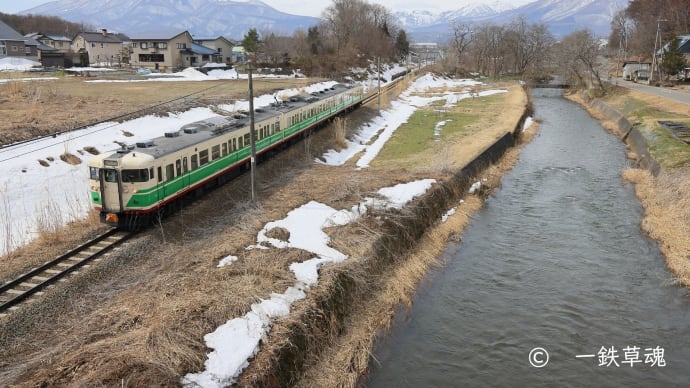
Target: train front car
(119, 182)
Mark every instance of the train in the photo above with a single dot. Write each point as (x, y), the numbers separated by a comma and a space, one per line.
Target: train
(131, 185)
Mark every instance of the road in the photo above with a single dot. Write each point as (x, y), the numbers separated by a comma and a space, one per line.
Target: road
(682, 96)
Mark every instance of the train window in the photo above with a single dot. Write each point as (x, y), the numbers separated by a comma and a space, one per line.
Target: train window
(234, 144)
(246, 138)
(110, 176)
(178, 167)
(131, 176)
(151, 173)
(169, 172)
(215, 152)
(203, 157)
(195, 162)
(93, 172)
(277, 126)
(240, 141)
(160, 174)
(184, 165)
(225, 149)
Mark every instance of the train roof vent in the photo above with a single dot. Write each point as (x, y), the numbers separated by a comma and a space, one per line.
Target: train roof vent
(172, 134)
(239, 116)
(259, 110)
(145, 144)
(191, 130)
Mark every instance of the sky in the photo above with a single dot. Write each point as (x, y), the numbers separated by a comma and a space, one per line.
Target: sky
(308, 7)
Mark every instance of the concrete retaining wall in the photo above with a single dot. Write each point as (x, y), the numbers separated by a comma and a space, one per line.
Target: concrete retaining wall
(630, 135)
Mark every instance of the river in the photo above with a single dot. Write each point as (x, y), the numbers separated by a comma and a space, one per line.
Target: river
(554, 262)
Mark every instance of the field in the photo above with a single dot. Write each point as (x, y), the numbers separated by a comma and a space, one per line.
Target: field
(34, 108)
(138, 318)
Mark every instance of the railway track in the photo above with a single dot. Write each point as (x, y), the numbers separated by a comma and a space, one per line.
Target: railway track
(19, 290)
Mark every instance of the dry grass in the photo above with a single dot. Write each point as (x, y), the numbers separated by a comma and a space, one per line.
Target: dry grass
(666, 200)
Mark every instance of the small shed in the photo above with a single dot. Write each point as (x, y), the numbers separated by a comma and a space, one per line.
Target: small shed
(630, 69)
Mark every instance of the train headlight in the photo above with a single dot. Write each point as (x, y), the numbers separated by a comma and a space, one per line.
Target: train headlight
(111, 218)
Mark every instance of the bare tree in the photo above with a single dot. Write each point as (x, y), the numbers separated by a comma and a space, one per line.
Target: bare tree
(463, 36)
(578, 57)
(529, 44)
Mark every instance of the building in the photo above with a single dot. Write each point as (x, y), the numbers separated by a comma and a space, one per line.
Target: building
(220, 44)
(102, 48)
(12, 43)
(636, 71)
(163, 51)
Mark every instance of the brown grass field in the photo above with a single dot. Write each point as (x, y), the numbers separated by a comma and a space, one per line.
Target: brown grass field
(138, 317)
(34, 108)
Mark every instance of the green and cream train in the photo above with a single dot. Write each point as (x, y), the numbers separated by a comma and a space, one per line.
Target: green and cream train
(129, 185)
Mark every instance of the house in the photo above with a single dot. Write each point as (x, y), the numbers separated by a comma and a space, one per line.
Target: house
(220, 44)
(58, 43)
(636, 71)
(102, 48)
(12, 43)
(162, 50)
(49, 55)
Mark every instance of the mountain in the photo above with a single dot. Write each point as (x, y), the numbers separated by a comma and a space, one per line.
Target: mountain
(561, 16)
(231, 19)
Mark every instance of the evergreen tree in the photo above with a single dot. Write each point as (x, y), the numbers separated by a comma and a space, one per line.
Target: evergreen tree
(251, 42)
(402, 45)
(672, 60)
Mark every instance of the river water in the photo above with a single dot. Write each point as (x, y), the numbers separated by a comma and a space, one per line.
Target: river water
(555, 260)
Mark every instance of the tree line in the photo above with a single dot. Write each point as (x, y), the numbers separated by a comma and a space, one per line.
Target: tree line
(51, 25)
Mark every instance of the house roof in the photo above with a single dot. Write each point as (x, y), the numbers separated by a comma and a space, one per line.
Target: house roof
(160, 35)
(9, 33)
(58, 38)
(99, 37)
(211, 39)
(202, 50)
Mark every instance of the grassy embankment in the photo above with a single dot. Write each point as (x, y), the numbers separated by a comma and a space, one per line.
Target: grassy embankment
(665, 197)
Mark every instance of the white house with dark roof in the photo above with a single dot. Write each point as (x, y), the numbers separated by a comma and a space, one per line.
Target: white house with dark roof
(103, 48)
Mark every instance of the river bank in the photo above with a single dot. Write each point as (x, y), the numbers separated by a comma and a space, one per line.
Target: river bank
(660, 176)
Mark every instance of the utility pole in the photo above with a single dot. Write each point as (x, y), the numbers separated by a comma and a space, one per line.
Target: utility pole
(378, 68)
(654, 61)
(252, 137)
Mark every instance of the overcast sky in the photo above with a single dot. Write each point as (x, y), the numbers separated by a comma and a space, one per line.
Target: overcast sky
(306, 7)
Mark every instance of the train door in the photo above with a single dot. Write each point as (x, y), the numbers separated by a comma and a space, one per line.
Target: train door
(111, 190)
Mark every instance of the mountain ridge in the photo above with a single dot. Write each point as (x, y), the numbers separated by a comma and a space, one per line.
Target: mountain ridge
(233, 18)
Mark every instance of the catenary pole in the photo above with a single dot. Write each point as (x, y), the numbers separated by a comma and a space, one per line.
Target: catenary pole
(252, 137)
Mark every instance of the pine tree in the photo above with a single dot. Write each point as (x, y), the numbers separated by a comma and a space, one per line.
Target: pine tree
(672, 61)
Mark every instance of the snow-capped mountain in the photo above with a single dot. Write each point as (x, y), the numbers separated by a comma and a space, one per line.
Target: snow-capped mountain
(200, 17)
(561, 16)
(233, 18)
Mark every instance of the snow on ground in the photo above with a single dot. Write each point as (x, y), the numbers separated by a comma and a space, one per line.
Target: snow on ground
(88, 69)
(528, 123)
(35, 198)
(192, 74)
(7, 80)
(420, 94)
(17, 64)
(237, 340)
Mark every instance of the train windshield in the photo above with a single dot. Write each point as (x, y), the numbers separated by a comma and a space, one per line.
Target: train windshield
(93, 172)
(140, 175)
